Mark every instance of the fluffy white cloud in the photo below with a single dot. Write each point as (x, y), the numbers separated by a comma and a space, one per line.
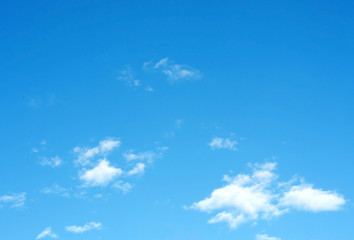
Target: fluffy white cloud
(260, 196)
(101, 175)
(174, 72)
(47, 233)
(223, 143)
(87, 227)
(52, 162)
(138, 169)
(15, 200)
(104, 147)
(305, 197)
(265, 237)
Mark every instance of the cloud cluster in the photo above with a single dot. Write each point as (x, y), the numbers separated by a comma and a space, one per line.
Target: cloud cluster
(223, 143)
(250, 197)
(87, 227)
(14, 200)
(85, 154)
(98, 171)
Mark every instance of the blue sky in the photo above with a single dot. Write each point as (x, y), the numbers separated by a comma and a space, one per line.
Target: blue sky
(172, 120)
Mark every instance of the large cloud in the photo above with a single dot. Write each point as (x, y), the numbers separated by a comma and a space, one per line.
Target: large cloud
(260, 196)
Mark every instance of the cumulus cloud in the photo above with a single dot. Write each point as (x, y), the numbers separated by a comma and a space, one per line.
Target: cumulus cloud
(174, 72)
(101, 175)
(223, 143)
(305, 197)
(14, 200)
(52, 162)
(265, 237)
(87, 227)
(250, 197)
(105, 146)
(47, 233)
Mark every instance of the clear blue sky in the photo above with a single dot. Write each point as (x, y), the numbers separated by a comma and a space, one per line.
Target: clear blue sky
(176, 120)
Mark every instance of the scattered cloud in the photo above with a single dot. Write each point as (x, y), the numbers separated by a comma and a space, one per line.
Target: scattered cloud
(40, 102)
(128, 77)
(56, 190)
(101, 175)
(148, 156)
(85, 154)
(149, 89)
(52, 162)
(174, 72)
(223, 143)
(47, 233)
(261, 196)
(14, 200)
(138, 169)
(123, 186)
(265, 237)
(87, 227)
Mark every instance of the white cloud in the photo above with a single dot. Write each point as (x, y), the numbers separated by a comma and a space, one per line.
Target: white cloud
(104, 147)
(87, 227)
(265, 237)
(52, 162)
(223, 143)
(47, 233)
(56, 189)
(101, 175)
(304, 197)
(141, 156)
(123, 186)
(174, 72)
(259, 196)
(128, 77)
(15, 200)
(138, 169)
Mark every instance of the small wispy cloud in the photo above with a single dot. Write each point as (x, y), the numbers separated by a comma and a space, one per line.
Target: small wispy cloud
(126, 75)
(14, 200)
(139, 168)
(41, 102)
(174, 72)
(260, 196)
(87, 227)
(148, 156)
(56, 190)
(125, 187)
(223, 143)
(52, 162)
(265, 237)
(47, 232)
